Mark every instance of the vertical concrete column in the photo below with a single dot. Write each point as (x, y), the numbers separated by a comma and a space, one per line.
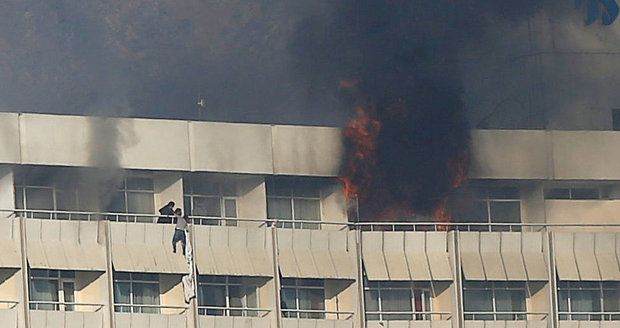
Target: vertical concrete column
(457, 280)
(361, 309)
(276, 277)
(105, 225)
(553, 317)
(194, 302)
(24, 270)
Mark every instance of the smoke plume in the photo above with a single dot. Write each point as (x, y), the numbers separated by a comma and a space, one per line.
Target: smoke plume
(398, 64)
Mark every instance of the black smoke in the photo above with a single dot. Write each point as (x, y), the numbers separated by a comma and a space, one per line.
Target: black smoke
(405, 56)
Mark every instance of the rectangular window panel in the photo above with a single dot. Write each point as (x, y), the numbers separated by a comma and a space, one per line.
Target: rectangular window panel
(478, 301)
(39, 199)
(68, 290)
(557, 193)
(136, 183)
(122, 296)
(505, 212)
(585, 193)
(43, 291)
(288, 301)
(396, 300)
(146, 294)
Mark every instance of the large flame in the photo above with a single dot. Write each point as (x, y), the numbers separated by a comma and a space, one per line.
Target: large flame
(362, 178)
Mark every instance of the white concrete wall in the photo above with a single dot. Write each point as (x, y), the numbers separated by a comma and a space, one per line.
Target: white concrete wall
(169, 145)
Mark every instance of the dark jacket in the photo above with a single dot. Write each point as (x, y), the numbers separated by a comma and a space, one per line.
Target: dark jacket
(168, 212)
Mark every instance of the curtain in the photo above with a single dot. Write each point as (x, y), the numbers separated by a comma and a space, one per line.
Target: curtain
(396, 300)
(44, 290)
(147, 294)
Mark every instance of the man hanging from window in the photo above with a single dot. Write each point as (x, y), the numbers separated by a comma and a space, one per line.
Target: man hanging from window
(167, 212)
(179, 230)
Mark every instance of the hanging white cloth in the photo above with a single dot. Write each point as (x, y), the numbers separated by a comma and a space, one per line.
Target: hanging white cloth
(189, 287)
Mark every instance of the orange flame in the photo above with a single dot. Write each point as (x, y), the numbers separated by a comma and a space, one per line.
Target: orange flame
(362, 131)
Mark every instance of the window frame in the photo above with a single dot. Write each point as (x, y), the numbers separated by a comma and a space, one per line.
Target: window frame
(60, 280)
(292, 197)
(125, 191)
(132, 306)
(492, 287)
(603, 314)
(228, 310)
(298, 285)
(188, 199)
(415, 288)
(21, 187)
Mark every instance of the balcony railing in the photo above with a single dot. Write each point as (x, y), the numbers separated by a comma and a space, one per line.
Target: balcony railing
(317, 314)
(233, 311)
(506, 315)
(590, 316)
(305, 224)
(65, 306)
(407, 315)
(150, 308)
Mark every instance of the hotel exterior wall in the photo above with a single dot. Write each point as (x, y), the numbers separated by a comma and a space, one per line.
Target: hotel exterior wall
(535, 154)
(169, 145)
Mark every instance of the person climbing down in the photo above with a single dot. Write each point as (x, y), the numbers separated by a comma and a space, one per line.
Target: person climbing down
(179, 230)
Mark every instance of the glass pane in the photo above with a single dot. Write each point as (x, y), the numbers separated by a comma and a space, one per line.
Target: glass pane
(251, 300)
(507, 212)
(205, 188)
(230, 208)
(557, 193)
(396, 301)
(611, 302)
(477, 212)
(509, 301)
(117, 205)
(288, 298)
(563, 303)
(236, 299)
(584, 301)
(584, 193)
(121, 293)
(148, 294)
(215, 296)
(44, 291)
(371, 300)
(503, 193)
(39, 199)
(312, 299)
(279, 188)
(207, 206)
(68, 290)
(306, 209)
(134, 183)
(478, 301)
(140, 203)
(279, 208)
(19, 198)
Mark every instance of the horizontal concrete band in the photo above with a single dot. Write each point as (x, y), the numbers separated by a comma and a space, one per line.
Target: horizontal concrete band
(153, 144)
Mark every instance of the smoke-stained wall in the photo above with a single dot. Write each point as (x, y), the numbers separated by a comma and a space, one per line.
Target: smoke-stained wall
(550, 70)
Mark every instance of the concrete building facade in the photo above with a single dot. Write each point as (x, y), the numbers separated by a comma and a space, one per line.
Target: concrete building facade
(535, 242)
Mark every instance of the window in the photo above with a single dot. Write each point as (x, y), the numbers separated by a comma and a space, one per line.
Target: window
(135, 196)
(581, 193)
(215, 200)
(588, 300)
(294, 200)
(227, 296)
(35, 190)
(400, 298)
(303, 298)
(494, 205)
(494, 300)
(136, 292)
(52, 290)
